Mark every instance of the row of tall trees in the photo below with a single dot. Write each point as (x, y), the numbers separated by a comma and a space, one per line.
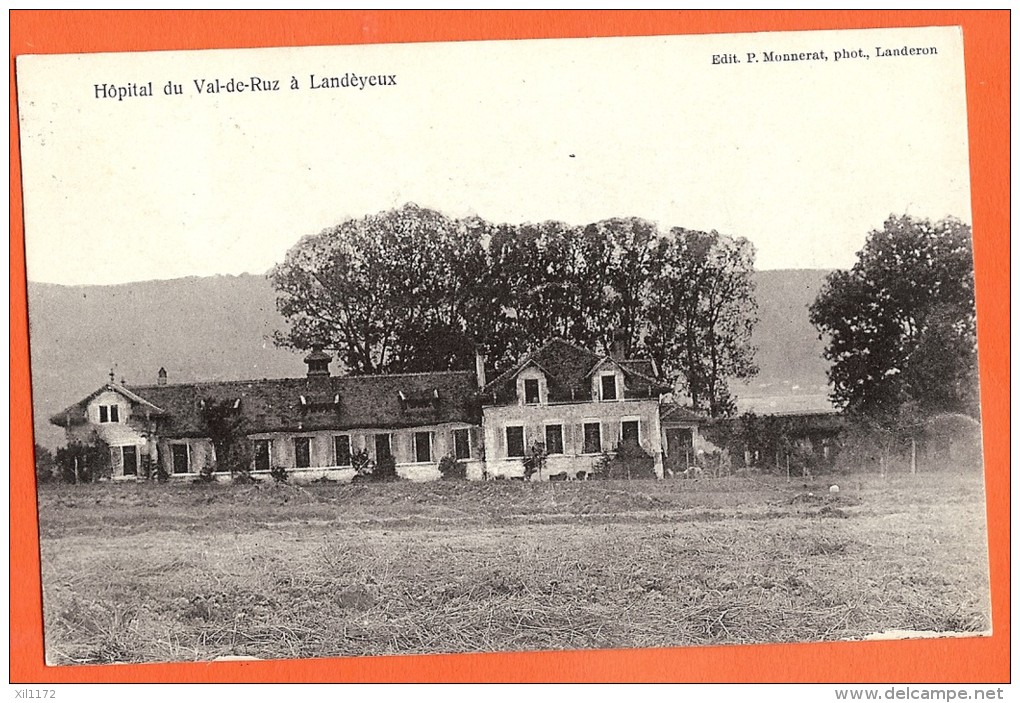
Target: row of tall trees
(414, 290)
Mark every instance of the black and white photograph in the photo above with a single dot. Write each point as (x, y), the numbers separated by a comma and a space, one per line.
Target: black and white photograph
(493, 346)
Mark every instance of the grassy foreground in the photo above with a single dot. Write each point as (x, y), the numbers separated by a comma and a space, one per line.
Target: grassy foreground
(139, 572)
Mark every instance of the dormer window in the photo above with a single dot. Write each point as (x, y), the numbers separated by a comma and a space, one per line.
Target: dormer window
(609, 386)
(419, 400)
(531, 396)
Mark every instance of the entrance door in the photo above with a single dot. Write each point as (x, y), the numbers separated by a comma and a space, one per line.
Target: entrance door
(180, 458)
(382, 447)
(680, 447)
(130, 461)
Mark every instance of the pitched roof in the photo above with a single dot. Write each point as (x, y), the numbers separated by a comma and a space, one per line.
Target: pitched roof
(672, 412)
(75, 414)
(568, 367)
(317, 403)
(318, 355)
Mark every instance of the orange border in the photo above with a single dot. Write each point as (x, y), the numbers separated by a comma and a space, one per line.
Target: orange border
(986, 43)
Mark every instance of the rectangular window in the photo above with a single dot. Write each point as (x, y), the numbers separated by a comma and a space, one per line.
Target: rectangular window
(462, 444)
(382, 447)
(180, 458)
(609, 387)
(592, 437)
(104, 413)
(114, 413)
(342, 450)
(262, 452)
(630, 432)
(515, 441)
(531, 391)
(423, 447)
(302, 452)
(554, 439)
(130, 461)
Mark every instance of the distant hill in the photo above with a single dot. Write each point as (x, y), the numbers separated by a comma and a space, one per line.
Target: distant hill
(789, 350)
(220, 328)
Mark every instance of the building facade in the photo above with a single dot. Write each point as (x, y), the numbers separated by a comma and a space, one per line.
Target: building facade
(570, 405)
(564, 402)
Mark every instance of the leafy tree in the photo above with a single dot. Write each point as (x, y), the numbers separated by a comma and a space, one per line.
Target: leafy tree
(385, 469)
(700, 314)
(414, 290)
(618, 309)
(389, 292)
(586, 284)
(901, 325)
(530, 290)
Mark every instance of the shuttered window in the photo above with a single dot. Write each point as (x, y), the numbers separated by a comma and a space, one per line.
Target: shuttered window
(609, 387)
(302, 452)
(261, 452)
(382, 447)
(554, 439)
(342, 450)
(592, 437)
(462, 444)
(515, 441)
(423, 447)
(531, 391)
(630, 432)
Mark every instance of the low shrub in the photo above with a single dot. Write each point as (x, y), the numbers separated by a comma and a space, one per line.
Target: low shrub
(385, 469)
(629, 461)
(206, 475)
(451, 469)
(535, 460)
(243, 477)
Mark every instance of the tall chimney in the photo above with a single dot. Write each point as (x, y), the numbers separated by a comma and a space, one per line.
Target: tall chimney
(617, 346)
(161, 377)
(480, 368)
(318, 362)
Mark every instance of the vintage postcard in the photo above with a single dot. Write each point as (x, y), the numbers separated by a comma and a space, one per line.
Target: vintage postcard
(572, 344)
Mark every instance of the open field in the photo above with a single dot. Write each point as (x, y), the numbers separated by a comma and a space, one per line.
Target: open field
(141, 572)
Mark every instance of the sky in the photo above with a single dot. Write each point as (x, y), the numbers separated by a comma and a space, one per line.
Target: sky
(802, 158)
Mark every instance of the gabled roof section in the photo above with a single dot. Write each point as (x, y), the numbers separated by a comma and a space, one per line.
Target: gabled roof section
(560, 360)
(568, 369)
(134, 397)
(75, 414)
(637, 367)
(673, 412)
